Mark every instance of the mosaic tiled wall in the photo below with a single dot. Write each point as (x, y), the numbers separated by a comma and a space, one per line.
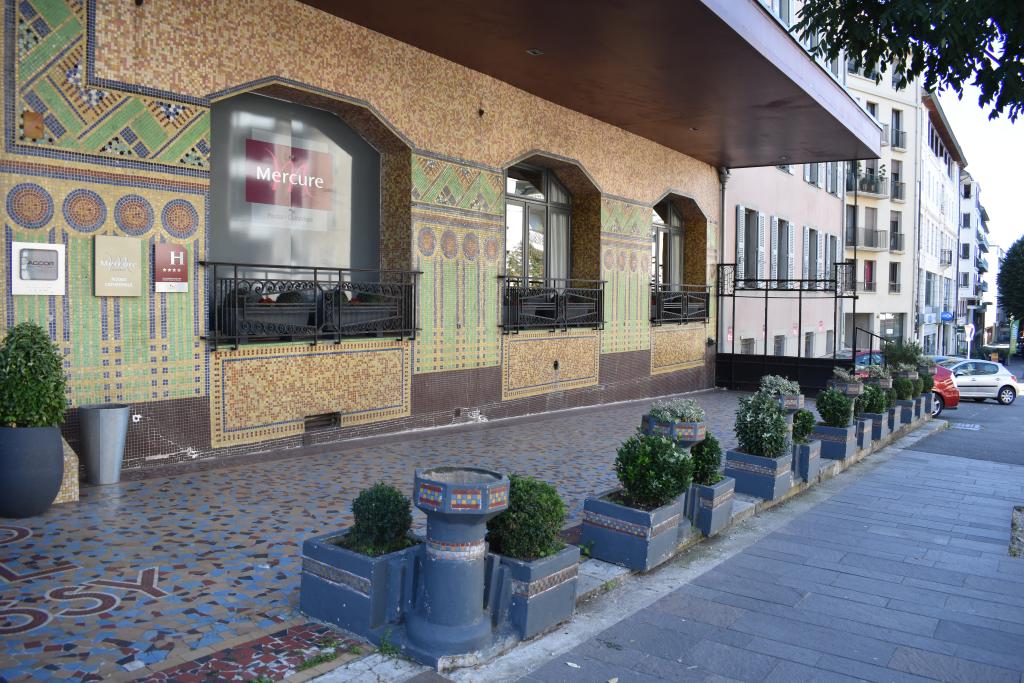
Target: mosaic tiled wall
(266, 392)
(677, 347)
(458, 230)
(543, 362)
(625, 267)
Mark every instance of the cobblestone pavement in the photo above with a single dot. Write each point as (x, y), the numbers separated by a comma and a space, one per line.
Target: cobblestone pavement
(903, 575)
(144, 575)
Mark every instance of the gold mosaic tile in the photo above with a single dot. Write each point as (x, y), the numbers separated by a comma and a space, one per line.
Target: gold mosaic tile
(543, 362)
(69, 483)
(677, 347)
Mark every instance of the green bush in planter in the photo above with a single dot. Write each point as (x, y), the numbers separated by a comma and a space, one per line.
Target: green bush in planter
(761, 427)
(777, 385)
(31, 379)
(890, 398)
(873, 400)
(903, 387)
(680, 409)
(843, 375)
(292, 296)
(803, 425)
(918, 386)
(529, 528)
(652, 470)
(927, 383)
(858, 405)
(707, 459)
(835, 408)
(904, 352)
(383, 516)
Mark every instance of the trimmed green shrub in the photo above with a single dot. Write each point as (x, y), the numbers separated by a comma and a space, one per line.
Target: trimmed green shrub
(901, 352)
(927, 383)
(292, 296)
(858, 406)
(761, 426)
(383, 516)
(844, 375)
(878, 372)
(31, 379)
(777, 385)
(835, 408)
(873, 400)
(707, 458)
(890, 398)
(918, 386)
(529, 528)
(803, 425)
(652, 470)
(903, 387)
(680, 409)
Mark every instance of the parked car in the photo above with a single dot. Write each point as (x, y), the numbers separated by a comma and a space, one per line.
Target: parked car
(866, 358)
(982, 379)
(945, 392)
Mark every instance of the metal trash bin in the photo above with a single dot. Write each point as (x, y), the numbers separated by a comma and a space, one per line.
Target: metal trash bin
(103, 429)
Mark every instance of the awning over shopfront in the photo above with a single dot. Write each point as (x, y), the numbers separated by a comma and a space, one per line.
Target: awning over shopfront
(719, 80)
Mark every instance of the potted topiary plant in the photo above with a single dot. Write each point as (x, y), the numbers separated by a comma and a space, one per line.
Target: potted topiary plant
(711, 494)
(891, 410)
(846, 382)
(904, 371)
(32, 404)
(878, 376)
(904, 389)
(543, 570)
(806, 451)
(917, 396)
(786, 390)
(875, 407)
(637, 526)
(927, 386)
(763, 464)
(864, 424)
(838, 436)
(681, 420)
(901, 357)
(353, 578)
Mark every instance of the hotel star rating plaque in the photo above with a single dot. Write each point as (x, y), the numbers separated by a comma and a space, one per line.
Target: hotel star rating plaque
(170, 268)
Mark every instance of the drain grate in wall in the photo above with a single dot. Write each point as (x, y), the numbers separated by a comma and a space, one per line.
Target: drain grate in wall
(315, 423)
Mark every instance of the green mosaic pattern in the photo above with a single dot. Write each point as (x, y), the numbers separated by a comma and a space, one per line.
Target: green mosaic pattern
(625, 268)
(451, 185)
(622, 218)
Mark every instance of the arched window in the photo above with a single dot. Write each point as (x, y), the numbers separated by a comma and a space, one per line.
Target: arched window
(666, 244)
(538, 212)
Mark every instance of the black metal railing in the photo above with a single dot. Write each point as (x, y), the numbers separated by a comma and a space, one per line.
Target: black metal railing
(894, 288)
(867, 286)
(839, 281)
(262, 303)
(946, 256)
(899, 190)
(898, 138)
(679, 303)
(867, 183)
(553, 304)
(895, 241)
(867, 238)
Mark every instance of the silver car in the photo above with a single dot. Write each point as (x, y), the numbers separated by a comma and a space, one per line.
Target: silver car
(982, 379)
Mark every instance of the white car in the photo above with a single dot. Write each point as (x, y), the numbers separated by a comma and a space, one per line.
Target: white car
(981, 379)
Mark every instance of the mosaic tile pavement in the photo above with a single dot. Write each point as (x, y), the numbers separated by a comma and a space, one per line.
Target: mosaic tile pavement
(144, 575)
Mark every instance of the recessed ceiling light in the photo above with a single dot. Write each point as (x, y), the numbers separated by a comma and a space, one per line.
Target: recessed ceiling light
(784, 158)
(534, 52)
(694, 128)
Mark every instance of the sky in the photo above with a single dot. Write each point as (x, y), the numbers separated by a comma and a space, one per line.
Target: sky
(994, 150)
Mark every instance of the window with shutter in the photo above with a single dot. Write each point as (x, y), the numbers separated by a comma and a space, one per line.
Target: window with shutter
(790, 253)
(820, 248)
(741, 216)
(807, 172)
(774, 255)
(821, 175)
(807, 253)
(761, 242)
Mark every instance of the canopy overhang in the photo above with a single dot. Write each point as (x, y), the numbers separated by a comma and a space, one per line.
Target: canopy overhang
(719, 80)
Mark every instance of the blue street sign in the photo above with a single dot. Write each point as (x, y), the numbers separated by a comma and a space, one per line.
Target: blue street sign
(946, 316)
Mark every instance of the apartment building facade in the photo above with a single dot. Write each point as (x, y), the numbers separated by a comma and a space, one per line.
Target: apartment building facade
(881, 197)
(971, 263)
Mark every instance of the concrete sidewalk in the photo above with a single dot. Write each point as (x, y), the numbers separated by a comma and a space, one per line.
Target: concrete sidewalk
(901, 575)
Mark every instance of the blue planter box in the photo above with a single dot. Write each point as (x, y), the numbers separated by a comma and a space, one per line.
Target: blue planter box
(755, 475)
(865, 427)
(837, 443)
(892, 420)
(906, 409)
(879, 425)
(543, 591)
(929, 403)
(710, 507)
(636, 539)
(807, 460)
(685, 433)
(362, 594)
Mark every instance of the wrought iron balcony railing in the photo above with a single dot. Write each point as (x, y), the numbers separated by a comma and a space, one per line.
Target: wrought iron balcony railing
(869, 286)
(899, 190)
(867, 238)
(895, 241)
(868, 183)
(898, 138)
(551, 304)
(894, 288)
(267, 303)
(679, 303)
(946, 257)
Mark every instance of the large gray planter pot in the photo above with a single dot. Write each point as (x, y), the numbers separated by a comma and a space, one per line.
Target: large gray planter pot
(711, 506)
(929, 403)
(892, 420)
(756, 475)
(685, 434)
(865, 427)
(636, 539)
(879, 425)
(365, 595)
(791, 402)
(906, 409)
(543, 591)
(807, 460)
(919, 408)
(851, 389)
(31, 470)
(837, 443)
(880, 382)
(905, 374)
(103, 430)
